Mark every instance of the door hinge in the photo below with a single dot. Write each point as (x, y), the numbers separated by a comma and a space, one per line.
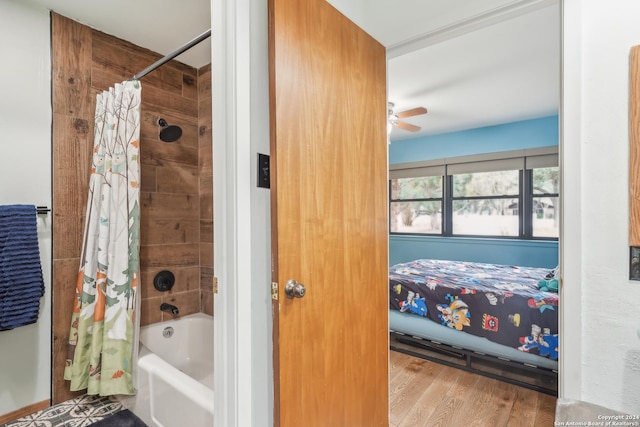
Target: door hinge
(215, 285)
(274, 291)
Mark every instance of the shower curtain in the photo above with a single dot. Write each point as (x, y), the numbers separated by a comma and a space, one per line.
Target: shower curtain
(104, 324)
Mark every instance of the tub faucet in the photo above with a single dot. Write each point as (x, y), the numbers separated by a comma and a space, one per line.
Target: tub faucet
(170, 308)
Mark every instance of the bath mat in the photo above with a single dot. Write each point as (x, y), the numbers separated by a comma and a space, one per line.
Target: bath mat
(124, 418)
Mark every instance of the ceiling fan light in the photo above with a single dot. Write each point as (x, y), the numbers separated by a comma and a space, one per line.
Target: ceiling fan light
(393, 118)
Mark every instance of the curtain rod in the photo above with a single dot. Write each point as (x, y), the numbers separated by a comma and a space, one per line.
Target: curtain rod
(172, 55)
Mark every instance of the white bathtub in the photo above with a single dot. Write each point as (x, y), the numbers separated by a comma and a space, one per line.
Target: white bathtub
(175, 373)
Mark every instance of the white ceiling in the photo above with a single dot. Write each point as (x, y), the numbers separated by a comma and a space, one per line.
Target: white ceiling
(470, 63)
(504, 72)
(162, 26)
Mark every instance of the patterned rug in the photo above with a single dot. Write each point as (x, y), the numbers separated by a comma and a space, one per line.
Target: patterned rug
(79, 412)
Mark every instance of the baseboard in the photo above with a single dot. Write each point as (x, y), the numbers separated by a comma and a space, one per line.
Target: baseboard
(19, 413)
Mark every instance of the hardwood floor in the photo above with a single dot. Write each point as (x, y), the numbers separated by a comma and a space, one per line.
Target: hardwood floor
(424, 393)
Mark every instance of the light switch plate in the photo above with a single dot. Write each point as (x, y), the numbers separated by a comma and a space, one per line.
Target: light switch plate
(634, 263)
(264, 171)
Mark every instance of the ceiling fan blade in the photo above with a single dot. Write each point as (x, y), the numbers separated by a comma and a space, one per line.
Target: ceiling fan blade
(407, 126)
(413, 112)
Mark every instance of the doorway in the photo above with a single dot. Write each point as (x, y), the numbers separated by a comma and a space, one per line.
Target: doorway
(225, 155)
(441, 140)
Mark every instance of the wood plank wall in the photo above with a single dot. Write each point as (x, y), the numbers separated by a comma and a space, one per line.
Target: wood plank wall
(176, 184)
(205, 171)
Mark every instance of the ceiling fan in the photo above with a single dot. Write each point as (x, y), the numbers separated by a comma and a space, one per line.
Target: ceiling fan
(394, 118)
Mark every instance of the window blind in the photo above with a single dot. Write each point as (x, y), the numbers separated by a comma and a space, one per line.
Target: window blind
(506, 160)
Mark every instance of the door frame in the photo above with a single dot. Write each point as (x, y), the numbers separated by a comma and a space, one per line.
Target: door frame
(570, 240)
(238, 27)
(243, 368)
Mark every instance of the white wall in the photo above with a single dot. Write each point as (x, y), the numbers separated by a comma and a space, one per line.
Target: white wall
(596, 253)
(242, 261)
(25, 174)
(262, 333)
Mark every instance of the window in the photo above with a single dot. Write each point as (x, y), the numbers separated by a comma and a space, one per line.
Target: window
(416, 205)
(486, 203)
(499, 195)
(545, 215)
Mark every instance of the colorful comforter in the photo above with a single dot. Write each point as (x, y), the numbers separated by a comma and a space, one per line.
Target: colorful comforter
(508, 305)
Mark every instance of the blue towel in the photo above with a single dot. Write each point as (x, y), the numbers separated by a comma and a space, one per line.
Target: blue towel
(21, 281)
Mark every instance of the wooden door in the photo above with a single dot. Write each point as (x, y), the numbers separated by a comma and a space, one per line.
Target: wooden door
(329, 213)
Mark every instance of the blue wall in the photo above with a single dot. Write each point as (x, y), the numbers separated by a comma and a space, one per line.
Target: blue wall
(535, 133)
(531, 253)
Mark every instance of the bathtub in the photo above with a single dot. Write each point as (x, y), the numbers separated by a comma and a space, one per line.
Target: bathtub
(175, 373)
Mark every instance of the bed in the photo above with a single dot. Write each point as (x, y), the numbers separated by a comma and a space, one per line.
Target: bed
(491, 313)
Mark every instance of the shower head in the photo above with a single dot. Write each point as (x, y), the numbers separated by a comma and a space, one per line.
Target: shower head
(169, 133)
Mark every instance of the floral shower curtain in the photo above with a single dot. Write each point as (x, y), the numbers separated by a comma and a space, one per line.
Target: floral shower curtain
(104, 324)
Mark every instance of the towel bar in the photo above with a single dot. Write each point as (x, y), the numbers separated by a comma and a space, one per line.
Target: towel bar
(42, 210)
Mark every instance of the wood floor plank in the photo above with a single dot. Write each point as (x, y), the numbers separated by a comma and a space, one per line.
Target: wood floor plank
(397, 361)
(398, 385)
(435, 398)
(524, 409)
(408, 386)
(442, 412)
(463, 392)
(546, 410)
(498, 408)
(442, 396)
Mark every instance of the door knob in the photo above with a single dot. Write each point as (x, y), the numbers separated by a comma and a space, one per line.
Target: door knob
(294, 289)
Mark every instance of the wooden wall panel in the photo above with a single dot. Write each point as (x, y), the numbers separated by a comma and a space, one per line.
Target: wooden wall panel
(190, 86)
(181, 107)
(150, 310)
(204, 82)
(177, 179)
(71, 67)
(169, 231)
(205, 169)
(160, 154)
(169, 205)
(86, 62)
(170, 256)
(108, 55)
(72, 142)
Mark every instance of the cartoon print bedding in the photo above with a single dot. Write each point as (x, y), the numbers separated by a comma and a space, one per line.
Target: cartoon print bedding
(509, 305)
